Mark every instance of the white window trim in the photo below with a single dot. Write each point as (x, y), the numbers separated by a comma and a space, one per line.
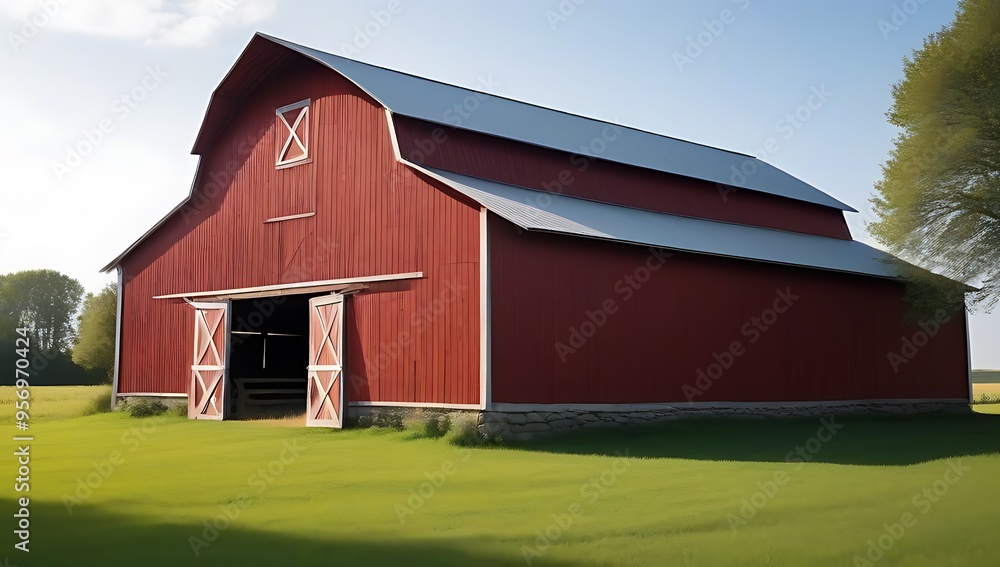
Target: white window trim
(291, 136)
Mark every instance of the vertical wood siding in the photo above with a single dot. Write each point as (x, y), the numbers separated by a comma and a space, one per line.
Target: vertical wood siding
(511, 162)
(831, 343)
(413, 341)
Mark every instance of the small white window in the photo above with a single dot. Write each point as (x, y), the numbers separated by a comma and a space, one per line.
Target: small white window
(293, 133)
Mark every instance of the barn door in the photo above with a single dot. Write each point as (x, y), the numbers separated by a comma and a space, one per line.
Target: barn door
(325, 392)
(207, 389)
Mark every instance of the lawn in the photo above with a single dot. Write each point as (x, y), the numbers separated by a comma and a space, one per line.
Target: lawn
(109, 489)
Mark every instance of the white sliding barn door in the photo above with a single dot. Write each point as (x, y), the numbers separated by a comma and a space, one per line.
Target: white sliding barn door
(207, 388)
(325, 392)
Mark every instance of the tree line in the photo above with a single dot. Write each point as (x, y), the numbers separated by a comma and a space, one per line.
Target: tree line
(71, 333)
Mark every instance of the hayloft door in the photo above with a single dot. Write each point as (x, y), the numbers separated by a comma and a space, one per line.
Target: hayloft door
(325, 390)
(207, 388)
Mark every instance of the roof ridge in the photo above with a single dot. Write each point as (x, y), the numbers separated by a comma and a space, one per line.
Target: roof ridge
(518, 101)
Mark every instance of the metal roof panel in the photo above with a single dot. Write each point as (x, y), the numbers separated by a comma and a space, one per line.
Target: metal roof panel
(539, 211)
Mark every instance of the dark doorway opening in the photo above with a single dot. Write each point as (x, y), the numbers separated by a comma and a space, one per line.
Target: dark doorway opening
(268, 357)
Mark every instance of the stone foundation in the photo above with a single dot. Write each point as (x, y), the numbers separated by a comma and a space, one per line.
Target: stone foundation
(365, 416)
(519, 426)
(171, 402)
(523, 425)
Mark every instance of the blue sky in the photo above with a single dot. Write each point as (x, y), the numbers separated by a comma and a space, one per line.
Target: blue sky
(718, 72)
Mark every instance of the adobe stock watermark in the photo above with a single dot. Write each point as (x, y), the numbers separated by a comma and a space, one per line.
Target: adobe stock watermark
(426, 490)
(218, 180)
(943, 142)
(35, 22)
(581, 161)
(923, 502)
(253, 321)
(419, 321)
(910, 346)
(786, 127)
(121, 108)
(565, 10)
(130, 440)
(224, 7)
(624, 289)
(590, 492)
(752, 330)
(455, 115)
(712, 30)
(769, 489)
(229, 511)
(898, 17)
(366, 33)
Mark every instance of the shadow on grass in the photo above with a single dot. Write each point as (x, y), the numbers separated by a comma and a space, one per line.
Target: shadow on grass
(891, 440)
(94, 536)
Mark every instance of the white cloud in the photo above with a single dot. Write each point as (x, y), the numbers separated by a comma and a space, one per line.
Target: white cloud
(188, 23)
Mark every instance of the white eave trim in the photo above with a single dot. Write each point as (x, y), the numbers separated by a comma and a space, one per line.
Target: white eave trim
(290, 217)
(151, 395)
(118, 337)
(392, 135)
(485, 323)
(968, 352)
(415, 405)
(282, 289)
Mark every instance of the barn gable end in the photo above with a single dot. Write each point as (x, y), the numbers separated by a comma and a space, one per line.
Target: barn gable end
(359, 213)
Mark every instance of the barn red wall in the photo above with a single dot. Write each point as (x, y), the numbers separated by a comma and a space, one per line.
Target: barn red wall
(412, 341)
(516, 163)
(830, 344)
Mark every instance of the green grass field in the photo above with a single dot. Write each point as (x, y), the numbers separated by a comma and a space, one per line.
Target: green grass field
(109, 489)
(53, 402)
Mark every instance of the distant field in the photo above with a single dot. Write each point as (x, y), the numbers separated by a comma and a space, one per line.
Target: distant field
(979, 389)
(51, 403)
(986, 376)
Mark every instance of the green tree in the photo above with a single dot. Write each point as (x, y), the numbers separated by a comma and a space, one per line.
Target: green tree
(45, 302)
(938, 202)
(8, 313)
(95, 342)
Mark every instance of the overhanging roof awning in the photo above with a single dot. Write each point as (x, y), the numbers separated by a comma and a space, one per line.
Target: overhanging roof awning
(548, 212)
(338, 285)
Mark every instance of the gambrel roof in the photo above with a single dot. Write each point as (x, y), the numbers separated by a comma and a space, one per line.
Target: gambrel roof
(428, 100)
(424, 99)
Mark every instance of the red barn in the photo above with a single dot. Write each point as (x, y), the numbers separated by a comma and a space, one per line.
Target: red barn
(358, 237)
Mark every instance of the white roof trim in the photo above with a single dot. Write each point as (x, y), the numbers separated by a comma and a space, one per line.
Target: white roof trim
(299, 287)
(548, 212)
